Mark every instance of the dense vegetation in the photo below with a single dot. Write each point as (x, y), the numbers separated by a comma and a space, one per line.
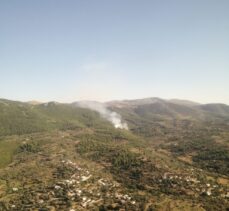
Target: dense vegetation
(22, 118)
(206, 153)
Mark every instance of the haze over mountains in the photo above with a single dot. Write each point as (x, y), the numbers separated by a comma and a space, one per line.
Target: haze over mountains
(173, 108)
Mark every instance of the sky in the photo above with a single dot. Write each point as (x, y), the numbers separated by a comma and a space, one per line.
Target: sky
(55, 50)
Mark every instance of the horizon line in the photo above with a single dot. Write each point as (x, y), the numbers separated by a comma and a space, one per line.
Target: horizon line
(107, 101)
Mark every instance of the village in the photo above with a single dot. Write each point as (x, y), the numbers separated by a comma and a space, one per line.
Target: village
(77, 188)
(81, 191)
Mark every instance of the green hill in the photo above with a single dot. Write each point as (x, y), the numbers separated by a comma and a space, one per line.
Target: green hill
(21, 118)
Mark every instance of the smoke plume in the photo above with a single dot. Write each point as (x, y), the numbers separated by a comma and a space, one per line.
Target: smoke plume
(111, 116)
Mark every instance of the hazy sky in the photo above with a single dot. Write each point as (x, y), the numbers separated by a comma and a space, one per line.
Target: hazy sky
(68, 50)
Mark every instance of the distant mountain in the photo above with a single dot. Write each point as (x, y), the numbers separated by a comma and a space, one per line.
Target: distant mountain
(165, 108)
(152, 100)
(174, 108)
(137, 102)
(150, 108)
(184, 102)
(19, 117)
(217, 109)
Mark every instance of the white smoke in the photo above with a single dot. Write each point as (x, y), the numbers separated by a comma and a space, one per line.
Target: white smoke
(111, 116)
